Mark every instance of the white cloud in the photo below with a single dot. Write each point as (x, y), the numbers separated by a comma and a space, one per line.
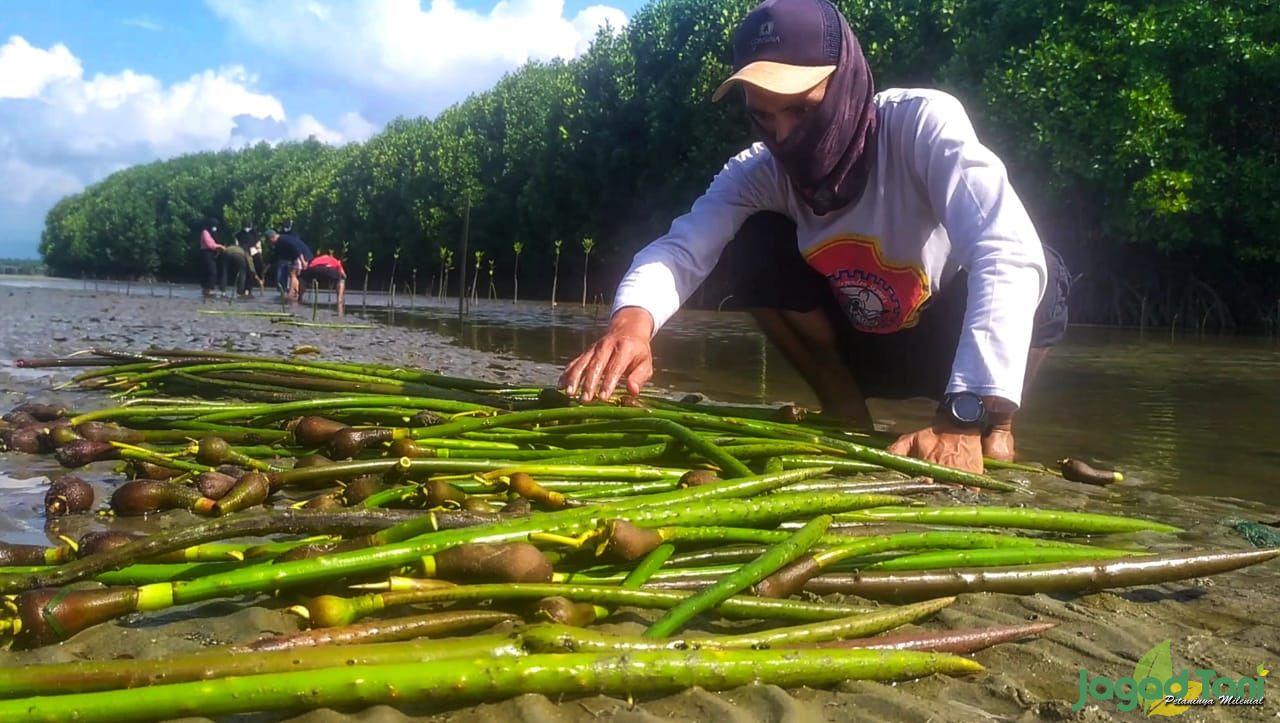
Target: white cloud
(60, 130)
(400, 58)
(25, 71)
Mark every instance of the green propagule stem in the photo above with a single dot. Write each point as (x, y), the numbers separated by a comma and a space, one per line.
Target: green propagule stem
(330, 610)
(1080, 523)
(438, 681)
(84, 676)
(1061, 578)
(416, 388)
(567, 639)
(209, 413)
(748, 575)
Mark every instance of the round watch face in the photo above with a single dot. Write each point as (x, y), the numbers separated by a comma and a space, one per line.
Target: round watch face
(966, 408)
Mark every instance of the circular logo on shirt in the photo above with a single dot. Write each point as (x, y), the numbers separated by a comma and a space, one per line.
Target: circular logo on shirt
(876, 295)
(868, 300)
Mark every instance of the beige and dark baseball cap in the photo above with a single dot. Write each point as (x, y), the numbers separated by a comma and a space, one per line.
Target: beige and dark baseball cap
(785, 47)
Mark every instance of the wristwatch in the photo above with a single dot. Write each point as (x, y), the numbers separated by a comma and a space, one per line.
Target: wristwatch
(963, 409)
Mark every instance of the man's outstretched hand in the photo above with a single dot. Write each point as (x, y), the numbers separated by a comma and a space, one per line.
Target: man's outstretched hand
(623, 355)
(943, 444)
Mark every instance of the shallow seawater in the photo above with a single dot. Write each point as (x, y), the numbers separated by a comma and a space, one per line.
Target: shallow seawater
(1183, 413)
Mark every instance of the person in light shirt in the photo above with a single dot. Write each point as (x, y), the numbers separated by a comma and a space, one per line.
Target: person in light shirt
(877, 242)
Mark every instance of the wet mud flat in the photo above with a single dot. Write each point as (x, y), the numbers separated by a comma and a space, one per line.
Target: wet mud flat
(1227, 623)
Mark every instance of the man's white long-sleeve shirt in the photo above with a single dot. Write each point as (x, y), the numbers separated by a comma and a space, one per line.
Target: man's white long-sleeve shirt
(937, 201)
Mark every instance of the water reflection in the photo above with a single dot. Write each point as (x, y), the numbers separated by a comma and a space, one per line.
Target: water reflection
(1195, 415)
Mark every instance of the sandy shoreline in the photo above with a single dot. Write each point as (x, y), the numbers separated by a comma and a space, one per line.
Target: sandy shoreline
(1227, 623)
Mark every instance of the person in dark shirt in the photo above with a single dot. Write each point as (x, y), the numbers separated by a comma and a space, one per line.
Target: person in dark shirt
(249, 240)
(292, 256)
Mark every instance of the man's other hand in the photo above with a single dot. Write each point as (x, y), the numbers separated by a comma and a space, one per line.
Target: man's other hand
(943, 444)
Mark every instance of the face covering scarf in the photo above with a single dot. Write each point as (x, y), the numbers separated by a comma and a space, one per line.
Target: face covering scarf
(829, 155)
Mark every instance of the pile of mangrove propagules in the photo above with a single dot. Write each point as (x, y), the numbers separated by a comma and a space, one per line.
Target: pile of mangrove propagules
(351, 492)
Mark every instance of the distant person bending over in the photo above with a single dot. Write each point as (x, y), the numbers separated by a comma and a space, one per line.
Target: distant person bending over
(292, 256)
(326, 268)
(249, 240)
(209, 250)
(240, 268)
(876, 241)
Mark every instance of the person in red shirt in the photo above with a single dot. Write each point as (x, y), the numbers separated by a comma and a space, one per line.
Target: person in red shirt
(327, 268)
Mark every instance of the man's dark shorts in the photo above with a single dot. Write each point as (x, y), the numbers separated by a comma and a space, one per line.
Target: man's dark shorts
(764, 270)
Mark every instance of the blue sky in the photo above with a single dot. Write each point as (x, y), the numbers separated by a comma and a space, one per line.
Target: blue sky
(87, 88)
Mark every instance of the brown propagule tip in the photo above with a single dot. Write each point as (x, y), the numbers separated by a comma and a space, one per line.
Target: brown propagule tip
(1077, 470)
(50, 615)
(68, 495)
(525, 486)
(81, 452)
(698, 478)
(214, 485)
(358, 490)
(562, 610)
(312, 431)
(790, 579)
(107, 432)
(144, 496)
(442, 494)
(349, 441)
(626, 541)
(483, 562)
(252, 489)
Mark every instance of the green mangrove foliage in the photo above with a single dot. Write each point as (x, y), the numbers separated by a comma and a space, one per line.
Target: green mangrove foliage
(1153, 175)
